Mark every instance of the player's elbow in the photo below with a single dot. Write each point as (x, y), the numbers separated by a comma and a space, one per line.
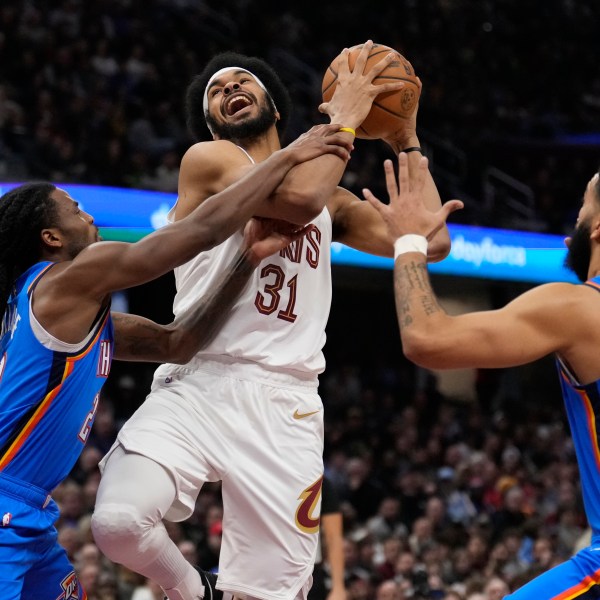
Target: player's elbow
(421, 350)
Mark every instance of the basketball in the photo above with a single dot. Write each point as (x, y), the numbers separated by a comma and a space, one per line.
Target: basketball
(390, 110)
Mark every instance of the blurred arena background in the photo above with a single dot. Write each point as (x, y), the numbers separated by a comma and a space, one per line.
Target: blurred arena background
(447, 480)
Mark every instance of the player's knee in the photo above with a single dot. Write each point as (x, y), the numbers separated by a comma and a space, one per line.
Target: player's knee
(119, 530)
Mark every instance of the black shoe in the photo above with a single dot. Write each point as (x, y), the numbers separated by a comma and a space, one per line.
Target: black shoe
(209, 581)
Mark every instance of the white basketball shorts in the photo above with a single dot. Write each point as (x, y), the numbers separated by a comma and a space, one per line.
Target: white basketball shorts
(261, 433)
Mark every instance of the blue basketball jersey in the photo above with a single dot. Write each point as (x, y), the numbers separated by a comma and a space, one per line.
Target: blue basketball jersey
(48, 399)
(582, 404)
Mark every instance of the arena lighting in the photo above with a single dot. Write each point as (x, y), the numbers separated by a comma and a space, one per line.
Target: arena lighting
(502, 254)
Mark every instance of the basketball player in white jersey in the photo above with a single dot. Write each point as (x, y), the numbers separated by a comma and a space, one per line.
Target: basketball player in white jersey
(246, 409)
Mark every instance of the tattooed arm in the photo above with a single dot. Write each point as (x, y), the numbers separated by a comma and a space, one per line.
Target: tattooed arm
(409, 214)
(547, 319)
(140, 339)
(544, 320)
(413, 290)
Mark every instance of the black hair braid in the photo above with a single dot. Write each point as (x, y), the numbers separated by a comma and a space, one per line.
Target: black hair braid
(24, 212)
(195, 92)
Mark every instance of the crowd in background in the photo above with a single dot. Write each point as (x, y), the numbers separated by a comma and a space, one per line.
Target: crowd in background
(93, 91)
(441, 499)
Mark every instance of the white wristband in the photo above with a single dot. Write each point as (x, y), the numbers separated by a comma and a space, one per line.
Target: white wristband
(410, 243)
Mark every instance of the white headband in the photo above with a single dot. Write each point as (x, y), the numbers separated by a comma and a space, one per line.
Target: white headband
(221, 72)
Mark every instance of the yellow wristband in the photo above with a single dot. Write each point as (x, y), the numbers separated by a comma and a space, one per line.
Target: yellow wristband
(348, 130)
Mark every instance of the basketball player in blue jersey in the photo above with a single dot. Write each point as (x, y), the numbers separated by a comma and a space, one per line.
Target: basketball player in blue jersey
(251, 415)
(558, 318)
(58, 338)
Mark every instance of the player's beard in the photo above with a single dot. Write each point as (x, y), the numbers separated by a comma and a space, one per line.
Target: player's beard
(579, 253)
(247, 129)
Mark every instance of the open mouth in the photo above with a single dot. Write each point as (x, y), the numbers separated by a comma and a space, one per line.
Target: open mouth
(236, 103)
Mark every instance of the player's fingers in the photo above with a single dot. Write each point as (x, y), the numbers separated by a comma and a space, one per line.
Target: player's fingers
(323, 107)
(343, 65)
(390, 180)
(338, 151)
(382, 64)
(283, 227)
(332, 128)
(388, 87)
(403, 173)
(323, 130)
(451, 206)
(312, 132)
(443, 213)
(363, 56)
(284, 239)
(298, 233)
(372, 200)
(317, 150)
(318, 133)
(421, 176)
(249, 227)
(339, 139)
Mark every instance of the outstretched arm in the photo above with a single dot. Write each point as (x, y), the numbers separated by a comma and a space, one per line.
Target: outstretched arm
(140, 339)
(439, 245)
(539, 322)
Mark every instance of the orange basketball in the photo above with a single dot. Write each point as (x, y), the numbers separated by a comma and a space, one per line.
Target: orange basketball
(391, 109)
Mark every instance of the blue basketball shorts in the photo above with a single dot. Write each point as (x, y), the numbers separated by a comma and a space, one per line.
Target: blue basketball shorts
(33, 566)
